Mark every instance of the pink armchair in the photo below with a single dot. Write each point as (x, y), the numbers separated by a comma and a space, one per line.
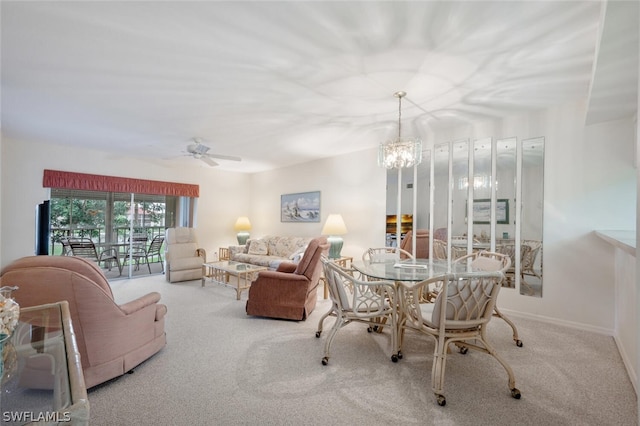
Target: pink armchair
(291, 291)
(112, 339)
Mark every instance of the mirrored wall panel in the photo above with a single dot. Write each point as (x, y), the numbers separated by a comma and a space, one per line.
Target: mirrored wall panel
(532, 186)
(487, 194)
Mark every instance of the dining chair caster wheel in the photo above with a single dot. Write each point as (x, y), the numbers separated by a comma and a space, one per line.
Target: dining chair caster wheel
(394, 358)
(442, 401)
(369, 329)
(515, 393)
(519, 343)
(325, 360)
(464, 350)
(318, 333)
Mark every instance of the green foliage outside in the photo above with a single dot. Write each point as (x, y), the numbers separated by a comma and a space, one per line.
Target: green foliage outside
(86, 217)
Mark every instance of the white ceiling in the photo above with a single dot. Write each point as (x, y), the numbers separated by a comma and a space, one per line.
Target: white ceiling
(281, 83)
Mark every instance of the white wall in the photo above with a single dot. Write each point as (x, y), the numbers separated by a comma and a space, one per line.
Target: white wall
(223, 195)
(351, 185)
(589, 185)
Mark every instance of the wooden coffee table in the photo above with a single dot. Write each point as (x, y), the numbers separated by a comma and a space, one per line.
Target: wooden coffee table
(219, 273)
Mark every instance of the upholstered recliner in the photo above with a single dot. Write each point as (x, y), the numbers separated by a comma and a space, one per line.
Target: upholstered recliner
(291, 291)
(182, 256)
(422, 243)
(112, 339)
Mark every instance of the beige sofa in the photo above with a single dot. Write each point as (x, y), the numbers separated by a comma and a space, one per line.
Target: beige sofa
(112, 339)
(270, 251)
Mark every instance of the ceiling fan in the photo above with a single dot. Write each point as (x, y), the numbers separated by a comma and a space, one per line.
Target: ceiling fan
(200, 151)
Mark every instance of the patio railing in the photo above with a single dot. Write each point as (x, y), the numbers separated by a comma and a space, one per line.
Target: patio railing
(98, 235)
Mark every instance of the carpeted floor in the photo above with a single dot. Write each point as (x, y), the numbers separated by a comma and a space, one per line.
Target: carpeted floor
(221, 367)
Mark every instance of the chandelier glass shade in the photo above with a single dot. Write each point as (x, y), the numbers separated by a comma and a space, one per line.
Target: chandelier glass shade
(400, 153)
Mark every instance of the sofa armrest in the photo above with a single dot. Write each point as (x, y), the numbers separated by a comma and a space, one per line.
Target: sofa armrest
(140, 303)
(287, 267)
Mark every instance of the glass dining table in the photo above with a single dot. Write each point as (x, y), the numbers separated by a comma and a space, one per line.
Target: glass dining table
(407, 270)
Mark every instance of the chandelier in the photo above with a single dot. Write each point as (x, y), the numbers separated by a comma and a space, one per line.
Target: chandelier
(400, 153)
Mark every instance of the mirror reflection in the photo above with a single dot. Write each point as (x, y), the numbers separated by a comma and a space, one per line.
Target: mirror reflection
(532, 182)
(476, 185)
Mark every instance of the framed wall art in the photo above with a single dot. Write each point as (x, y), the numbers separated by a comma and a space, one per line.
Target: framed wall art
(482, 211)
(300, 207)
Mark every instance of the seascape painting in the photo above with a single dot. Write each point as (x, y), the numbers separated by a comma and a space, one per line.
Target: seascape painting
(300, 207)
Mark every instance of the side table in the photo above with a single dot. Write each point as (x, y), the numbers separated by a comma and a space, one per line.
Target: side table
(42, 380)
(343, 262)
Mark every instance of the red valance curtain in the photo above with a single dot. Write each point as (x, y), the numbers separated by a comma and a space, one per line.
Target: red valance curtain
(89, 182)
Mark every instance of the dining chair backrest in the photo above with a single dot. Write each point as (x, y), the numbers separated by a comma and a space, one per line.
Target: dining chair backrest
(470, 299)
(439, 249)
(366, 299)
(528, 255)
(491, 261)
(465, 302)
(383, 254)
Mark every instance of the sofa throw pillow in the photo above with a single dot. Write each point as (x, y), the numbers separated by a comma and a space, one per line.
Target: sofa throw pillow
(296, 256)
(258, 247)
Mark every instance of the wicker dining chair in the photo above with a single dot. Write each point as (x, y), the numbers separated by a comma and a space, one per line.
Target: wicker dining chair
(354, 300)
(385, 253)
(490, 262)
(460, 315)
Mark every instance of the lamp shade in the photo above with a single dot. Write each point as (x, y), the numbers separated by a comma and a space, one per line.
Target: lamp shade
(334, 225)
(242, 224)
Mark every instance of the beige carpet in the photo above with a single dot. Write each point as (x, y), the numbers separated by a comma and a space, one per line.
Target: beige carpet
(221, 367)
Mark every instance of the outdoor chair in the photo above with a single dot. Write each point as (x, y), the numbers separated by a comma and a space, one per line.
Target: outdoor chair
(144, 254)
(85, 248)
(355, 300)
(460, 315)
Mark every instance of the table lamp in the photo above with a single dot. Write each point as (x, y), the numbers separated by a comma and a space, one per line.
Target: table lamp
(242, 226)
(334, 227)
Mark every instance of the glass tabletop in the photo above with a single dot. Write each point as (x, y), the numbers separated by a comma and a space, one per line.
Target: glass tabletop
(408, 269)
(233, 266)
(34, 368)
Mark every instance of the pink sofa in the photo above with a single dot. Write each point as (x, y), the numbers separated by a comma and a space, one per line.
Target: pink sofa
(112, 339)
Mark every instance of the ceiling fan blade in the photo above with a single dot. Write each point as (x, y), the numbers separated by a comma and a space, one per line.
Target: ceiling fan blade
(208, 160)
(225, 157)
